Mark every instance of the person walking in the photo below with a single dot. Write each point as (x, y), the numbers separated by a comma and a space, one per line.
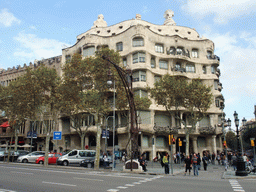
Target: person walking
(188, 164)
(198, 161)
(166, 164)
(195, 168)
(204, 159)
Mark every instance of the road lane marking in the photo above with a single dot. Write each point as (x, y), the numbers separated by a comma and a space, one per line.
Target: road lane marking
(6, 190)
(22, 172)
(121, 187)
(236, 186)
(129, 185)
(137, 183)
(71, 185)
(88, 179)
(114, 190)
(75, 173)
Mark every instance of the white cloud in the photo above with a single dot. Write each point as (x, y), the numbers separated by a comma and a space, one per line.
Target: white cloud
(7, 18)
(238, 72)
(33, 27)
(222, 10)
(145, 9)
(33, 47)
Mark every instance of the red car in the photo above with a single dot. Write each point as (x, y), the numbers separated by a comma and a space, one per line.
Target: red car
(52, 158)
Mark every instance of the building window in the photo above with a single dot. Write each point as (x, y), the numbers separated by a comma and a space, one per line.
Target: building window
(177, 66)
(139, 57)
(159, 48)
(204, 69)
(209, 54)
(217, 102)
(68, 58)
(88, 51)
(213, 69)
(139, 76)
(172, 51)
(180, 51)
(194, 53)
(190, 68)
(138, 42)
(215, 85)
(163, 64)
(157, 78)
(153, 62)
(119, 46)
(141, 93)
(124, 62)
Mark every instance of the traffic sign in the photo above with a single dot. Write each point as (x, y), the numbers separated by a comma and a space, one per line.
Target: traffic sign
(57, 135)
(105, 133)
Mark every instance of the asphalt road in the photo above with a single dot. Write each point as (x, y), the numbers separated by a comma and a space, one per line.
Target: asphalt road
(26, 178)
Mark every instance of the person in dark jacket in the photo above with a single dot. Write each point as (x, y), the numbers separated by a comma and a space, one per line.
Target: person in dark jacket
(204, 159)
(188, 164)
(199, 161)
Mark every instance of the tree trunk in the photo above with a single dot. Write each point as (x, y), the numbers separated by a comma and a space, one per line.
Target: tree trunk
(97, 158)
(187, 143)
(82, 136)
(16, 137)
(48, 136)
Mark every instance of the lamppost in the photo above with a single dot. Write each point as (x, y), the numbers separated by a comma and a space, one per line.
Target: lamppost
(229, 124)
(223, 120)
(110, 82)
(241, 134)
(106, 136)
(240, 170)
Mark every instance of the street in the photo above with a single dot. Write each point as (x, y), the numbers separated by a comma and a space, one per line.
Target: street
(27, 177)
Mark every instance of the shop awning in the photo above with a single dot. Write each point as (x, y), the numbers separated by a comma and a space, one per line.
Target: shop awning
(5, 124)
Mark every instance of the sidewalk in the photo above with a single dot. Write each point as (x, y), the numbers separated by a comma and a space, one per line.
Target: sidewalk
(155, 168)
(231, 174)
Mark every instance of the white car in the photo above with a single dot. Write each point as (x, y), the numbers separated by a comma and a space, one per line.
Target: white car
(31, 157)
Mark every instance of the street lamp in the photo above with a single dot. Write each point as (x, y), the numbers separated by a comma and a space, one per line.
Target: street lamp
(229, 124)
(223, 120)
(240, 171)
(109, 82)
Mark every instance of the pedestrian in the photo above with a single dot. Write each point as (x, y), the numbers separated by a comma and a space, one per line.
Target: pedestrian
(143, 163)
(234, 160)
(204, 159)
(105, 160)
(188, 164)
(213, 158)
(218, 158)
(166, 164)
(198, 161)
(195, 168)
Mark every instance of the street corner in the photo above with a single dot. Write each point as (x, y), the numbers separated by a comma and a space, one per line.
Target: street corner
(232, 175)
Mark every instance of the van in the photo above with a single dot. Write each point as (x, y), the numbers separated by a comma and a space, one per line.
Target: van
(76, 156)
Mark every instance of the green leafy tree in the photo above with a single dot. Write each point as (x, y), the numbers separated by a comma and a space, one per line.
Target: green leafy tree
(31, 96)
(231, 140)
(177, 95)
(85, 90)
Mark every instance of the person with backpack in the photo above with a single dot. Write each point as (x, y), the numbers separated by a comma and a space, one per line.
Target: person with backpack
(205, 162)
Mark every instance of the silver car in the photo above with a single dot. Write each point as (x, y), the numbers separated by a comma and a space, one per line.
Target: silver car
(31, 157)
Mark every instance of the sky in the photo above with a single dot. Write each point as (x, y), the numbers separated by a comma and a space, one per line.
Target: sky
(32, 30)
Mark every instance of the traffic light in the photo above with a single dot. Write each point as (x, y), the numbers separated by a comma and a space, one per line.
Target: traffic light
(170, 139)
(225, 144)
(252, 143)
(173, 140)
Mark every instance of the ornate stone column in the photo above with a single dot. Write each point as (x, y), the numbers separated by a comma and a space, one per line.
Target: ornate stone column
(214, 149)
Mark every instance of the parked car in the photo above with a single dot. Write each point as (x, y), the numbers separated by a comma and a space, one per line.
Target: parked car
(52, 158)
(2, 155)
(90, 162)
(75, 157)
(15, 154)
(31, 157)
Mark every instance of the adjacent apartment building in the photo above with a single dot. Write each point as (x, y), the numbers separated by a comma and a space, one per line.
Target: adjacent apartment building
(150, 51)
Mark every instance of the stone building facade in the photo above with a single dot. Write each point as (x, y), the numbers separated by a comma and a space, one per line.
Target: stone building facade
(150, 51)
